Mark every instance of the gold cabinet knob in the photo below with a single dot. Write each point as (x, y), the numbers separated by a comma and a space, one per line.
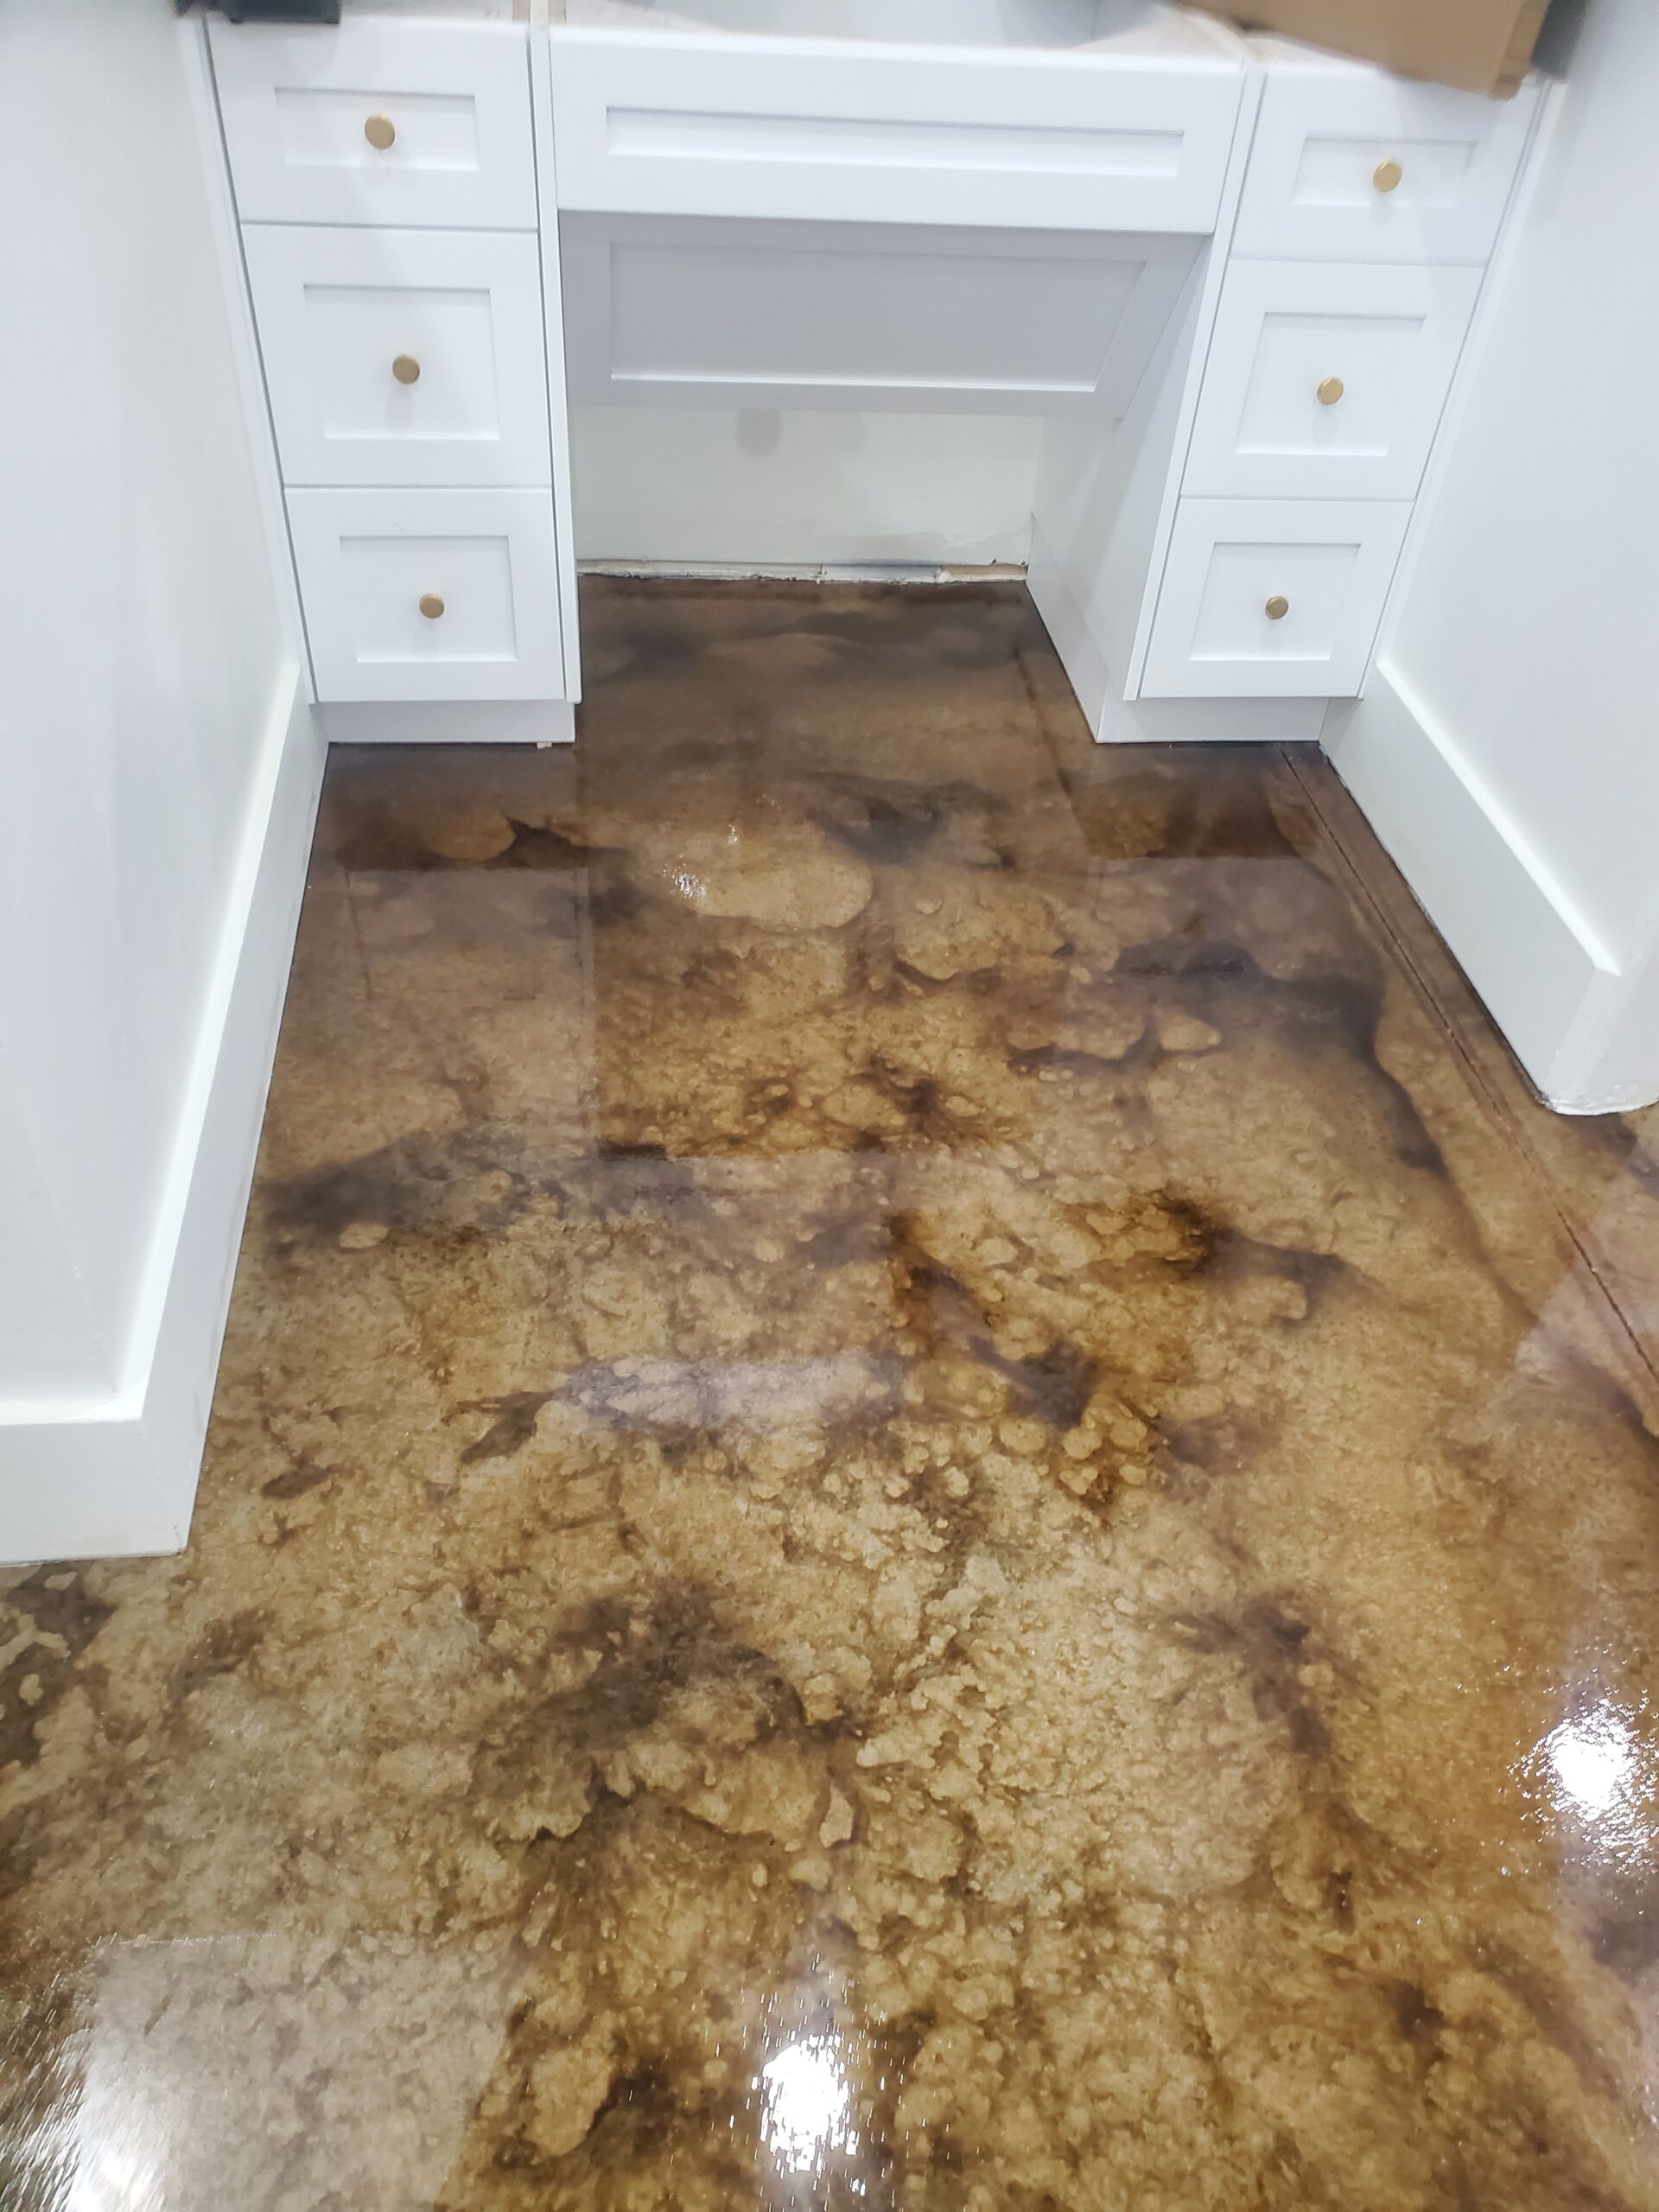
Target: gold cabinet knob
(380, 130)
(1331, 390)
(431, 606)
(1278, 607)
(407, 369)
(1386, 177)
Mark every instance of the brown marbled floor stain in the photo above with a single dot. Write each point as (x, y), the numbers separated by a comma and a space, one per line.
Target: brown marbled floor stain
(918, 1500)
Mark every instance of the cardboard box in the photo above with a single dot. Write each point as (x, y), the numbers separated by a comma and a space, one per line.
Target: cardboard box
(1481, 46)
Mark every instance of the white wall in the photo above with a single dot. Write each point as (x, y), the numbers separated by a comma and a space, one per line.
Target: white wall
(1506, 750)
(794, 489)
(146, 672)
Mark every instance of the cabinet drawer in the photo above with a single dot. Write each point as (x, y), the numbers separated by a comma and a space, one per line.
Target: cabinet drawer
(430, 594)
(745, 126)
(1365, 167)
(378, 123)
(1273, 599)
(1326, 383)
(402, 357)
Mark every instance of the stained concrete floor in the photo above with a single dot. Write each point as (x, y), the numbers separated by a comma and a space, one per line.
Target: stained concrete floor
(928, 1491)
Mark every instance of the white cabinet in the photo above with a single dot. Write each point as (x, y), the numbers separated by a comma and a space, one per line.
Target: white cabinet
(1272, 598)
(387, 183)
(402, 357)
(378, 122)
(1355, 165)
(1326, 383)
(430, 594)
(1233, 279)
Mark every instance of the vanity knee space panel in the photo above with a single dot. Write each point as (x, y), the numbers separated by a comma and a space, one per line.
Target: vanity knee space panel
(669, 311)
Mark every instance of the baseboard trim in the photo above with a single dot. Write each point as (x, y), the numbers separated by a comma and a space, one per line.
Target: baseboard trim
(1528, 954)
(116, 1476)
(427, 721)
(808, 572)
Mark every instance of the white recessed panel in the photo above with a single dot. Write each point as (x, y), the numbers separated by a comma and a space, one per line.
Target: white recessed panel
(1232, 622)
(319, 128)
(841, 314)
(386, 578)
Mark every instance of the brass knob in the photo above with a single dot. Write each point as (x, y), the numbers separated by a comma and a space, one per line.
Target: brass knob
(380, 130)
(1386, 175)
(431, 606)
(1278, 607)
(1331, 391)
(407, 369)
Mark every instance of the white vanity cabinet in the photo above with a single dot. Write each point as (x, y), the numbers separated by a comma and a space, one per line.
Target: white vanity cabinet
(1235, 279)
(385, 179)
(1267, 505)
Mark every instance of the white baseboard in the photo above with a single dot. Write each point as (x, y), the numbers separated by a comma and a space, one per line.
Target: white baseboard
(429, 722)
(809, 572)
(1117, 721)
(1211, 722)
(1531, 956)
(116, 1476)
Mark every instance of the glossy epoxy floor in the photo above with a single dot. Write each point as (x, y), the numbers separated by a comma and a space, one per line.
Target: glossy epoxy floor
(920, 1499)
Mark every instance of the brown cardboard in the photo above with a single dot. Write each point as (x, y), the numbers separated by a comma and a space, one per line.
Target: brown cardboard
(1480, 46)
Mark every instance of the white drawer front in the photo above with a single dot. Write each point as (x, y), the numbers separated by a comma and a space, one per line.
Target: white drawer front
(402, 357)
(482, 562)
(695, 126)
(1273, 599)
(1322, 180)
(1326, 383)
(378, 123)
